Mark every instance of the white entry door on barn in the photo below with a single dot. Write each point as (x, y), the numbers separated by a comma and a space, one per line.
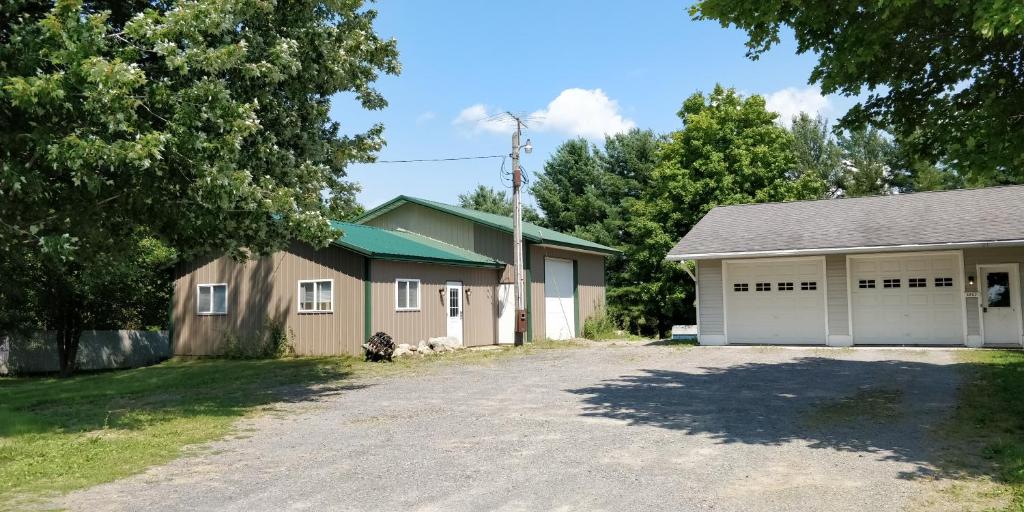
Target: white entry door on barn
(907, 299)
(453, 309)
(559, 299)
(775, 301)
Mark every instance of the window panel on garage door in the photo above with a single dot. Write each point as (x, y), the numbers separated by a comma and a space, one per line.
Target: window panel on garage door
(775, 302)
(915, 301)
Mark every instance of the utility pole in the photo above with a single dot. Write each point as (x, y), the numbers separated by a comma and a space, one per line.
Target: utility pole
(517, 231)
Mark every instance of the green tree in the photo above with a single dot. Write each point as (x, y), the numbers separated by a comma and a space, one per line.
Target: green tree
(568, 190)
(872, 164)
(729, 151)
(615, 177)
(487, 199)
(202, 125)
(819, 160)
(945, 76)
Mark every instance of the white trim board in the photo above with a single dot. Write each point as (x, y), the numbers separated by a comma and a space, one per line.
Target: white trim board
(868, 249)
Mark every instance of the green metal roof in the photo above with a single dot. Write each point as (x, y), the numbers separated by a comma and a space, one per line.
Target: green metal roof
(388, 244)
(531, 232)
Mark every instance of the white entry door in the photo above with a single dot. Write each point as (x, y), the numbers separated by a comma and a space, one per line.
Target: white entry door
(1000, 303)
(907, 299)
(506, 313)
(775, 301)
(559, 300)
(453, 308)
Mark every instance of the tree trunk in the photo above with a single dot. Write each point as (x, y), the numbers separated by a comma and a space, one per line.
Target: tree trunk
(69, 333)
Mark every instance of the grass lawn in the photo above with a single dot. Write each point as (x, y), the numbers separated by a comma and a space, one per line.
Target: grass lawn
(989, 421)
(57, 435)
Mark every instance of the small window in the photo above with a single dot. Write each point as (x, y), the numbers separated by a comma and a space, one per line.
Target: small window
(763, 287)
(866, 283)
(809, 285)
(943, 282)
(407, 294)
(917, 282)
(213, 299)
(891, 283)
(316, 296)
(740, 287)
(785, 287)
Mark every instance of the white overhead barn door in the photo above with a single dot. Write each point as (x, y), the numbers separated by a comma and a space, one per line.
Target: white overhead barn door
(906, 299)
(559, 299)
(775, 302)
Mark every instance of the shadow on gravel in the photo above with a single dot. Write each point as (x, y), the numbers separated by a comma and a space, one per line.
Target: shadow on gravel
(886, 409)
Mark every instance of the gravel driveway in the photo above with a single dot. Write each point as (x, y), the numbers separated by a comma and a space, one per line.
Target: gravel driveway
(601, 428)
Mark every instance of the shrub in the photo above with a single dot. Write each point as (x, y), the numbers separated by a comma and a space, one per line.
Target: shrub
(600, 326)
(272, 342)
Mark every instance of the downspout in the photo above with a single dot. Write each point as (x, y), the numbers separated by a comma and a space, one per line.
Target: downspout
(367, 299)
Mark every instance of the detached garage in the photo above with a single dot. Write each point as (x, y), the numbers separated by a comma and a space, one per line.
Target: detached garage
(933, 268)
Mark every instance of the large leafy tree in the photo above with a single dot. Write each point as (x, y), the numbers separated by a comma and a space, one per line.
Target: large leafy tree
(202, 125)
(819, 159)
(613, 177)
(568, 190)
(946, 77)
(729, 151)
(487, 199)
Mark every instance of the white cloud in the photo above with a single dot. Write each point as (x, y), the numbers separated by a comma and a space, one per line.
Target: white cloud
(425, 117)
(479, 118)
(587, 113)
(791, 101)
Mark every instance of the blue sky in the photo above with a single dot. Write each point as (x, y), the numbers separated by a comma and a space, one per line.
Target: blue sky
(586, 67)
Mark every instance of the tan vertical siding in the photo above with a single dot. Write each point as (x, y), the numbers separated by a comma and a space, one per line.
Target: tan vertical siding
(838, 306)
(709, 293)
(492, 243)
(537, 310)
(591, 286)
(267, 288)
(479, 313)
(428, 222)
(975, 257)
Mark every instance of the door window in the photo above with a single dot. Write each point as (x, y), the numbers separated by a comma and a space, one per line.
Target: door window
(998, 291)
(453, 302)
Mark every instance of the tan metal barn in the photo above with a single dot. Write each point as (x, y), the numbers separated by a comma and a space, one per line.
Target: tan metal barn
(392, 272)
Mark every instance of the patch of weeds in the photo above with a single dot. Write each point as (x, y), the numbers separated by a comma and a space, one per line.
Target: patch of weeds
(879, 405)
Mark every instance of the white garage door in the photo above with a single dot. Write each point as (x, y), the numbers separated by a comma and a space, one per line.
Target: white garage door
(559, 303)
(906, 299)
(776, 302)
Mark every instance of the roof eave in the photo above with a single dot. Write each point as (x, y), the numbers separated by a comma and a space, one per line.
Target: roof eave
(844, 250)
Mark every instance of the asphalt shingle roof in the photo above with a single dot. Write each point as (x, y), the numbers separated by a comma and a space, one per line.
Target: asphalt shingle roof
(959, 216)
(531, 232)
(389, 244)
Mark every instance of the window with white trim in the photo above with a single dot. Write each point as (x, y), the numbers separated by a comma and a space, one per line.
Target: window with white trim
(213, 299)
(866, 283)
(917, 282)
(891, 283)
(763, 287)
(407, 294)
(943, 282)
(785, 287)
(740, 287)
(316, 296)
(808, 285)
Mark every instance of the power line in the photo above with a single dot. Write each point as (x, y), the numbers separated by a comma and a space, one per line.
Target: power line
(435, 159)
